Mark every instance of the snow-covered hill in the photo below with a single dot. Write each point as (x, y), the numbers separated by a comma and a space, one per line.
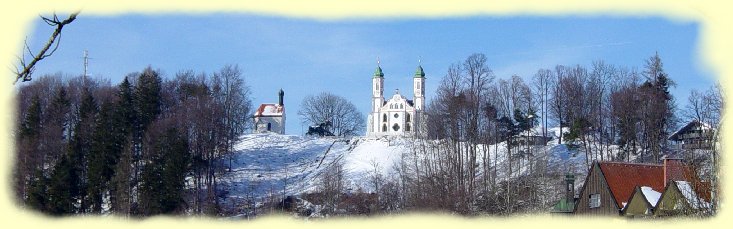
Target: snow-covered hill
(274, 166)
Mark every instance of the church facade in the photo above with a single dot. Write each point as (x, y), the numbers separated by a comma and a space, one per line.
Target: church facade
(396, 115)
(270, 117)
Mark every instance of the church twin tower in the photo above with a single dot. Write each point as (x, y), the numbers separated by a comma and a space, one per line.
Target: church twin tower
(398, 115)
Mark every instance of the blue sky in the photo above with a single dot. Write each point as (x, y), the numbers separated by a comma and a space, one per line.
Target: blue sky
(304, 56)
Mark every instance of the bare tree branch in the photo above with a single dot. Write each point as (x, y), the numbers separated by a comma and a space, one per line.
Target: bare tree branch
(54, 40)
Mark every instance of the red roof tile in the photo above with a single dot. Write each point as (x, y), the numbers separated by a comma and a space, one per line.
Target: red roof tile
(269, 110)
(622, 178)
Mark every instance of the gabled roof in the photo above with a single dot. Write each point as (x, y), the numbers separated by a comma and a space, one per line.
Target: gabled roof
(649, 196)
(622, 178)
(690, 125)
(698, 197)
(269, 110)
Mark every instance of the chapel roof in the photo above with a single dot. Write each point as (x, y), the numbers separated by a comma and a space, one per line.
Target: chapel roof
(269, 110)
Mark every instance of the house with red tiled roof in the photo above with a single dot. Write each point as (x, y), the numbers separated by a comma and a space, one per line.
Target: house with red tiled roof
(270, 117)
(610, 186)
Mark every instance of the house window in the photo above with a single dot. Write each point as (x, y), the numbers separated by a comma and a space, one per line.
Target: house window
(595, 200)
(269, 126)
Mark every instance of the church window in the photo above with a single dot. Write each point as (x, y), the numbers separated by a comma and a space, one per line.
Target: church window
(407, 127)
(396, 127)
(384, 127)
(401, 107)
(396, 115)
(407, 118)
(384, 117)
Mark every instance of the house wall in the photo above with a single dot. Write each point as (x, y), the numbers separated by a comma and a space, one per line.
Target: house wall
(596, 183)
(671, 199)
(637, 206)
(277, 124)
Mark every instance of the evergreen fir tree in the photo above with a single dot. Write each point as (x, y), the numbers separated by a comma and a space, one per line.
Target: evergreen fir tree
(147, 97)
(38, 191)
(80, 146)
(105, 150)
(29, 157)
(124, 125)
(32, 123)
(164, 175)
(121, 183)
(63, 186)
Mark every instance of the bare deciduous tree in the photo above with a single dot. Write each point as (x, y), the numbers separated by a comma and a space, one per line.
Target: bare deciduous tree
(345, 119)
(25, 69)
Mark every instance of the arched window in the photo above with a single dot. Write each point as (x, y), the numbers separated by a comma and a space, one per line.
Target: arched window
(396, 127)
(384, 118)
(384, 127)
(401, 107)
(269, 126)
(407, 117)
(407, 127)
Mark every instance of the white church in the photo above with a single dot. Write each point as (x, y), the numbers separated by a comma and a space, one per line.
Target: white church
(397, 115)
(270, 117)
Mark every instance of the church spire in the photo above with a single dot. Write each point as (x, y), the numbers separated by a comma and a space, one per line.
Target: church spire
(419, 73)
(378, 72)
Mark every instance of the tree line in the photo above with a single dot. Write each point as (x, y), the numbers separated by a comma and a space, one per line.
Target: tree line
(475, 156)
(146, 146)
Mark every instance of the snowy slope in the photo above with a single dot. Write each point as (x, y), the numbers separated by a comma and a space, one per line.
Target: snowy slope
(273, 164)
(279, 165)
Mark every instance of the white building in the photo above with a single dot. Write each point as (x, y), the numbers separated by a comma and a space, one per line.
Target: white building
(398, 115)
(270, 117)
